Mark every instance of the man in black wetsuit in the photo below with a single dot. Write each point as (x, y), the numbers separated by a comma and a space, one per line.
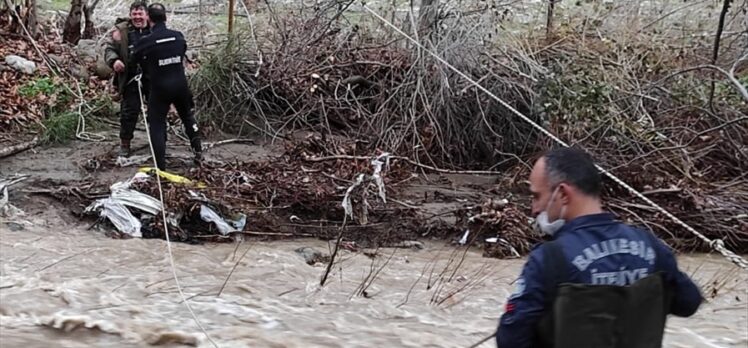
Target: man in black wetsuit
(161, 55)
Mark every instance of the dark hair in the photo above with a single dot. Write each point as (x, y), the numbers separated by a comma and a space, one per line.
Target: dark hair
(138, 5)
(157, 13)
(573, 166)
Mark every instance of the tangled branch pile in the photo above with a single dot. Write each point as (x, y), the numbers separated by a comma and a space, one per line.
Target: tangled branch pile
(348, 79)
(651, 125)
(287, 196)
(625, 90)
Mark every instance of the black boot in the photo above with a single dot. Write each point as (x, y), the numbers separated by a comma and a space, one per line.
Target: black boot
(197, 149)
(124, 148)
(198, 158)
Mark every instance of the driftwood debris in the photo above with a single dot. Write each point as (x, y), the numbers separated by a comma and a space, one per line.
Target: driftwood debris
(14, 149)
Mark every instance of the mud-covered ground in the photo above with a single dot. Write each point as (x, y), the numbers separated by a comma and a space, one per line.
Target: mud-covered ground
(283, 195)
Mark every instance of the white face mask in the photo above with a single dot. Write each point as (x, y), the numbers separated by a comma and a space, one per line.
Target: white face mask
(547, 227)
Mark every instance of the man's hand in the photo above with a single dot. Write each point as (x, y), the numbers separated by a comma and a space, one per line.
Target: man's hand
(116, 36)
(119, 66)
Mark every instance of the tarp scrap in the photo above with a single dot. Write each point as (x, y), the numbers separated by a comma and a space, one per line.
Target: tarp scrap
(347, 205)
(376, 177)
(173, 178)
(383, 159)
(7, 209)
(225, 226)
(118, 214)
(115, 207)
(137, 200)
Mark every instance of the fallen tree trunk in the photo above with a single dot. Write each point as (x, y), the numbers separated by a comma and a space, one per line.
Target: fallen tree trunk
(12, 150)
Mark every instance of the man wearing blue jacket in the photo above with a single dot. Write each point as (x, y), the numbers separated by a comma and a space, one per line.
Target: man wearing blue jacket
(592, 248)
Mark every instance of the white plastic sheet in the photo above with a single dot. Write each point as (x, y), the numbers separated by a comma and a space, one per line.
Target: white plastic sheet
(464, 238)
(347, 205)
(7, 209)
(224, 226)
(128, 161)
(505, 243)
(115, 207)
(377, 176)
(137, 200)
(119, 215)
(122, 185)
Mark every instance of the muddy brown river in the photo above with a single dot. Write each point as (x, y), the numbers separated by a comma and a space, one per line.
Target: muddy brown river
(63, 283)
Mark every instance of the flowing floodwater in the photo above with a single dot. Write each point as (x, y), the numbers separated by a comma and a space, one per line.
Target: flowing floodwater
(63, 283)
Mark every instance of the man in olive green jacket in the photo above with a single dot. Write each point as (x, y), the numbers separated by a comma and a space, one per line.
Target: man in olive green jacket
(117, 54)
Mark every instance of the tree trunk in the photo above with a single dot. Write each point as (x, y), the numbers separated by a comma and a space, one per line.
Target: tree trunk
(231, 15)
(20, 15)
(30, 20)
(5, 12)
(549, 19)
(15, 22)
(89, 31)
(427, 15)
(71, 32)
(715, 50)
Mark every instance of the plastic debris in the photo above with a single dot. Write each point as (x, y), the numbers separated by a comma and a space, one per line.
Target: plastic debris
(128, 161)
(409, 244)
(115, 207)
(239, 221)
(118, 214)
(347, 205)
(377, 176)
(225, 226)
(122, 185)
(505, 243)
(511, 249)
(122, 193)
(137, 200)
(174, 178)
(464, 238)
(6, 209)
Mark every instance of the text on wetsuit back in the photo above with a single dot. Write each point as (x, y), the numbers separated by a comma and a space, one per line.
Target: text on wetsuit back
(169, 61)
(610, 247)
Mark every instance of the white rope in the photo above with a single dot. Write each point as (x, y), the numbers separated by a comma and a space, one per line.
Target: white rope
(717, 244)
(163, 213)
(80, 129)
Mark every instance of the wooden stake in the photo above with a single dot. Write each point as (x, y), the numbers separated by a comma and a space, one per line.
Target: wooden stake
(549, 19)
(231, 15)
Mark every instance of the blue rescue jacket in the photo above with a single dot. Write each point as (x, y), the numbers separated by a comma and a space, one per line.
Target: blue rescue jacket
(598, 250)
